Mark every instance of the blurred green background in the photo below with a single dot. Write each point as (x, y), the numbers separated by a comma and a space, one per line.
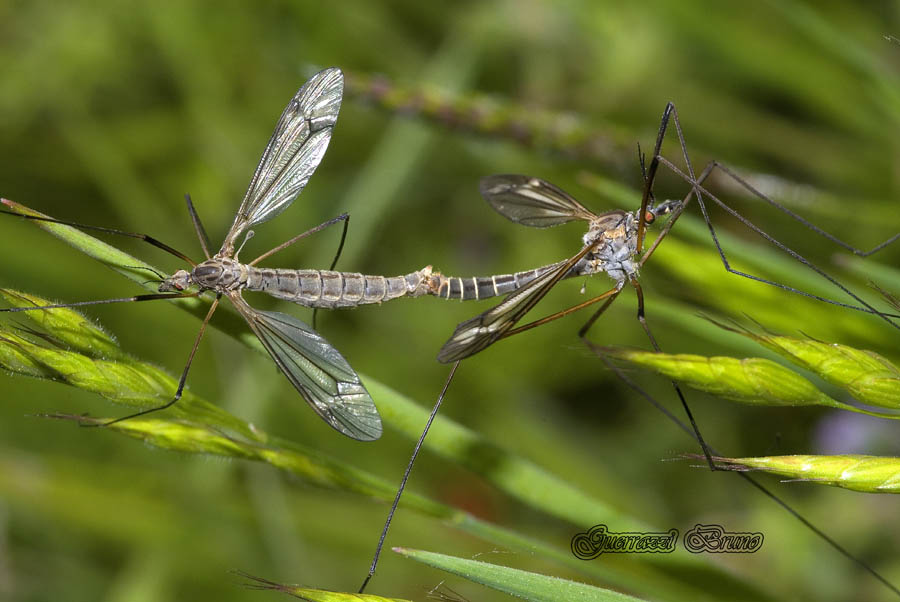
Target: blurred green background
(112, 111)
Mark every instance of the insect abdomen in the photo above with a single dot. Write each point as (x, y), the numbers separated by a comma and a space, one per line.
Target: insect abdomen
(483, 287)
(328, 289)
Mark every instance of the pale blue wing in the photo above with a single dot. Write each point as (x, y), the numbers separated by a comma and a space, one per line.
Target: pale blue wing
(317, 370)
(531, 201)
(293, 152)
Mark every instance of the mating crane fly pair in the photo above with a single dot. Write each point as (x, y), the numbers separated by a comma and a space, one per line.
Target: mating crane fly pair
(313, 366)
(612, 244)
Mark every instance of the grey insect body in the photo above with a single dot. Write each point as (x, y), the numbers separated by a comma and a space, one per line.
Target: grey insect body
(609, 246)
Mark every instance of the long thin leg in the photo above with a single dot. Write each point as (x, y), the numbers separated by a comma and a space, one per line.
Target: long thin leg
(184, 373)
(610, 295)
(650, 176)
(582, 334)
(696, 187)
(761, 488)
(198, 226)
(687, 410)
(147, 297)
(760, 195)
(594, 317)
(286, 244)
(863, 307)
(334, 261)
(406, 473)
(696, 190)
(145, 237)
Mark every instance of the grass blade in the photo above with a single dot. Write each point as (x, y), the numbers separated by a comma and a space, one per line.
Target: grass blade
(515, 582)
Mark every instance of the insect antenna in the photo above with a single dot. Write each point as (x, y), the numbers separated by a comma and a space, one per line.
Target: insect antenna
(153, 271)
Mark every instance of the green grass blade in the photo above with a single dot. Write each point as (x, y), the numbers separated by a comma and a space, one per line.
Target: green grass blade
(515, 582)
(203, 428)
(137, 271)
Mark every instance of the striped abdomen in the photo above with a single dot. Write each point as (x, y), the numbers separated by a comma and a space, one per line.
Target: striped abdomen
(482, 287)
(327, 289)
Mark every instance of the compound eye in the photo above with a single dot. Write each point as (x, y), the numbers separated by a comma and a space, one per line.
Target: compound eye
(649, 217)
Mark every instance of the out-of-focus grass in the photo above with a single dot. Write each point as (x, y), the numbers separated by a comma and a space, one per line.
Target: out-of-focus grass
(111, 113)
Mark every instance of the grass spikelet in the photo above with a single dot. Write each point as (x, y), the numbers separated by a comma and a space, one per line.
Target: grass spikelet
(866, 375)
(753, 381)
(869, 474)
(199, 427)
(310, 594)
(70, 328)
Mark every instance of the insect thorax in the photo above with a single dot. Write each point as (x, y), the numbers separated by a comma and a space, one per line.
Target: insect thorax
(614, 248)
(220, 274)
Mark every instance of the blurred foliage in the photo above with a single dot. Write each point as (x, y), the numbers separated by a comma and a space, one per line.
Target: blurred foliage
(112, 111)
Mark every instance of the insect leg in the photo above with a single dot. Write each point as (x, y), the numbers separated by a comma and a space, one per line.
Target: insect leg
(184, 373)
(198, 226)
(342, 217)
(406, 473)
(609, 295)
(759, 486)
(334, 261)
(43, 218)
(697, 186)
(147, 297)
(687, 410)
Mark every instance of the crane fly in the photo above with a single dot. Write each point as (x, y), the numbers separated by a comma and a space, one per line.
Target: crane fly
(613, 244)
(609, 246)
(312, 365)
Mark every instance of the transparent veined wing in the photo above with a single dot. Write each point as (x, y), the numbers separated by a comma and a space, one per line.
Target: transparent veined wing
(317, 370)
(294, 151)
(483, 330)
(531, 201)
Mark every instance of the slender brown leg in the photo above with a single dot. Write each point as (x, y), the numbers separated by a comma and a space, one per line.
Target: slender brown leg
(184, 373)
(610, 295)
(342, 217)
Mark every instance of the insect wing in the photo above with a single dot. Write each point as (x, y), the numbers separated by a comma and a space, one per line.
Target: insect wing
(480, 332)
(294, 151)
(531, 201)
(317, 370)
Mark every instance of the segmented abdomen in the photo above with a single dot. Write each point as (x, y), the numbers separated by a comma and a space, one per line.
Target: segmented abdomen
(328, 289)
(483, 287)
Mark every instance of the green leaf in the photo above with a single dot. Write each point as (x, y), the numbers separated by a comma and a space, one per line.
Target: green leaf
(521, 584)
